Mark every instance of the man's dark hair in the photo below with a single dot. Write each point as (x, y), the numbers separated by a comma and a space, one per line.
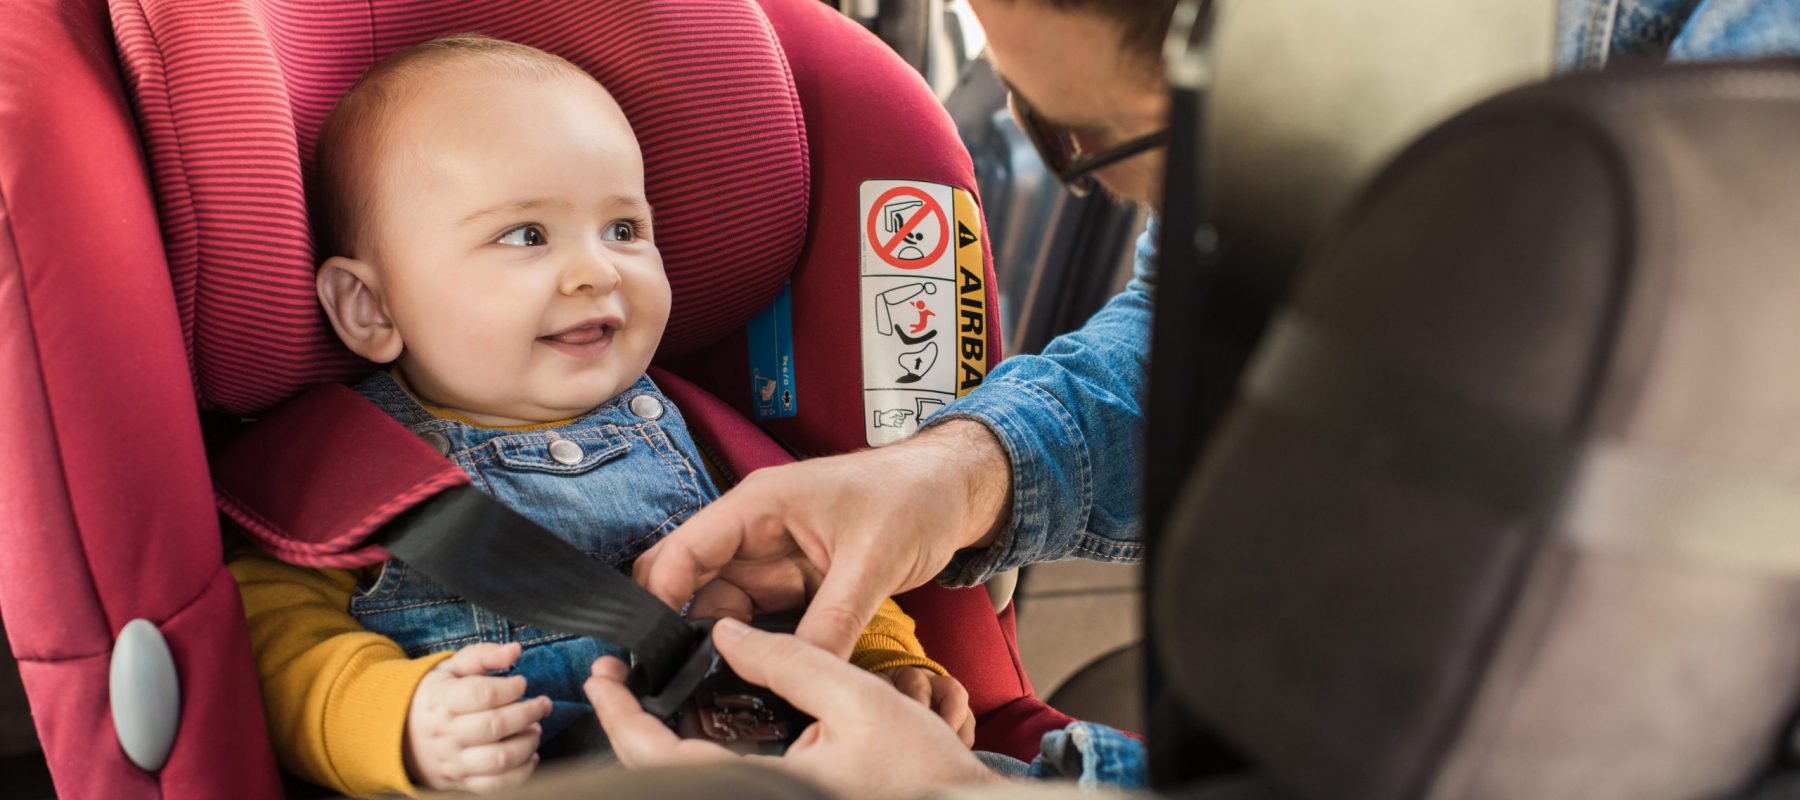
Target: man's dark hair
(1142, 23)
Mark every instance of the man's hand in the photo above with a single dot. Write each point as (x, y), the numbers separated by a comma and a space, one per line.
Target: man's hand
(858, 527)
(468, 730)
(940, 693)
(867, 741)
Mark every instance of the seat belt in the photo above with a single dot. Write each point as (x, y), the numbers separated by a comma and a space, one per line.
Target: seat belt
(500, 560)
(392, 495)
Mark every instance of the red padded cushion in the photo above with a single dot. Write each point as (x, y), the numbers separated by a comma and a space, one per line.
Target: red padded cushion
(230, 96)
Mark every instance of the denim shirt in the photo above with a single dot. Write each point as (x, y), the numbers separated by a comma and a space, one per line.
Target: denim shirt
(611, 482)
(1071, 422)
(1071, 419)
(1592, 32)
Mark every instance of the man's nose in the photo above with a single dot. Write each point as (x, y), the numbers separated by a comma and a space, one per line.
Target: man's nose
(591, 271)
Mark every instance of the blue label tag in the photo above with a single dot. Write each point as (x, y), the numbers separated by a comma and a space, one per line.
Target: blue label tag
(772, 359)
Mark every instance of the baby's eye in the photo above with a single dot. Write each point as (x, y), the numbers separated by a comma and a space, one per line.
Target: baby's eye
(522, 236)
(621, 231)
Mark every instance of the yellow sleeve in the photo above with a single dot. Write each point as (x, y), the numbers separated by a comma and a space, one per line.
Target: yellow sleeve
(889, 642)
(336, 694)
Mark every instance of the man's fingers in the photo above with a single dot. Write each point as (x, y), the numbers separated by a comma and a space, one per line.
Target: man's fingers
(492, 725)
(612, 668)
(845, 603)
(695, 552)
(638, 739)
(815, 681)
(480, 659)
(719, 599)
(500, 757)
(646, 563)
(488, 784)
(467, 695)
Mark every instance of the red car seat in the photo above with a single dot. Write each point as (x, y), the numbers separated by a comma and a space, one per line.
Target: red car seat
(151, 258)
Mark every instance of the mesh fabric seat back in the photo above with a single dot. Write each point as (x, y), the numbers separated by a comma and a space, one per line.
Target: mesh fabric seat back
(1508, 502)
(230, 98)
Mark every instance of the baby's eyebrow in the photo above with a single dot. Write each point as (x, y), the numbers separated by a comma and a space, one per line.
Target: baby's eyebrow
(514, 207)
(636, 201)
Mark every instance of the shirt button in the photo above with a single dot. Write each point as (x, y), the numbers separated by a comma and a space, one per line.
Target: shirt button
(438, 442)
(565, 452)
(647, 407)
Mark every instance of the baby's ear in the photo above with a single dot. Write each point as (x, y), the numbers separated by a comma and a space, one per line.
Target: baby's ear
(350, 290)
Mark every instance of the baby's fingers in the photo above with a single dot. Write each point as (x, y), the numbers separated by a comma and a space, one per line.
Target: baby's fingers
(951, 702)
(468, 695)
(481, 658)
(494, 724)
(499, 757)
(914, 683)
(488, 784)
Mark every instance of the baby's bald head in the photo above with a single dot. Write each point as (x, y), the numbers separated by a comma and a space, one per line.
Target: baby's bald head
(359, 140)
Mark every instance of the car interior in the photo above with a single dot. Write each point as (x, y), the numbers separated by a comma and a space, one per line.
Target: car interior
(1470, 463)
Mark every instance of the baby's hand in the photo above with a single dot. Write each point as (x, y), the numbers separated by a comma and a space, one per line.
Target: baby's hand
(940, 693)
(468, 730)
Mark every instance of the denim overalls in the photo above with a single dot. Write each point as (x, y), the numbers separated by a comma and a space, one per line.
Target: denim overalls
(612, 482)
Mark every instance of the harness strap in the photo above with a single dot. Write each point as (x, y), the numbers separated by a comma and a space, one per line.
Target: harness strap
(500, 560)
(329, 480)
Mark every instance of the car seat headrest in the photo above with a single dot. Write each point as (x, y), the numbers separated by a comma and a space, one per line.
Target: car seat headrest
(1506, 505)
(229, 99)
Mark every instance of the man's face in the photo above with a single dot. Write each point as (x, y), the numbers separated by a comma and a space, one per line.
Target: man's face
(1072, 68)
(514, 248)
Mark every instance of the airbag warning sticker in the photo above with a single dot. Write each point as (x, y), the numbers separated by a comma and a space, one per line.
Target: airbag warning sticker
(924, 303)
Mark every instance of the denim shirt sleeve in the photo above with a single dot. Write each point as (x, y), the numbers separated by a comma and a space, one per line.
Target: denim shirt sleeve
(1094, 756)
(1071, 422)
(1591, 32)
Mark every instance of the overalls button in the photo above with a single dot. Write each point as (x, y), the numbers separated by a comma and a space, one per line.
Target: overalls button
(438, 442)
(565, 452)
(647, 407)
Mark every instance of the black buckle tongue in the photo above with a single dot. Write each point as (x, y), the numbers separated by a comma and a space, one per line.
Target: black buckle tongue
(665, 701)
(704, 698)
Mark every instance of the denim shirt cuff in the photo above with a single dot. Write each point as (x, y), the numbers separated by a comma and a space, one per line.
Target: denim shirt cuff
(1052, 491)
(1094, 756)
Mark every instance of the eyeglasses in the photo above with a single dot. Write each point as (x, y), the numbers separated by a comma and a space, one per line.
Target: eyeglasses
(1057, 146)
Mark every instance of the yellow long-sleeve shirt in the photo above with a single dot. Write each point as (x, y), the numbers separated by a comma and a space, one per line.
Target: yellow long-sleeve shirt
(337, 695)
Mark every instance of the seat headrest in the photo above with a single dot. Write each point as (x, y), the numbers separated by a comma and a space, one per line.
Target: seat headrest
(230, 96)
(1505, 506)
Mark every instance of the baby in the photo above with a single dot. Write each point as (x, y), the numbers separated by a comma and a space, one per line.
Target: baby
(483, 207)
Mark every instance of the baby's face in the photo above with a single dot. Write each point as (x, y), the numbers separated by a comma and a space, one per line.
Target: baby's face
(512, 238)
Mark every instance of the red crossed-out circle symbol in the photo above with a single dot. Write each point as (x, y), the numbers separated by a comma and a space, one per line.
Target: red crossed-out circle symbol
(887, 249)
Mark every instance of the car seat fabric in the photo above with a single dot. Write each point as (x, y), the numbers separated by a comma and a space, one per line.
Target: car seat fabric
(230, 97)
(1506, 505)
(869, 116)
(204, 289)
(106, 514)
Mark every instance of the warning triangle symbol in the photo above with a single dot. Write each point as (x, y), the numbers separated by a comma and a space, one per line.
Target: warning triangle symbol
(964, 236)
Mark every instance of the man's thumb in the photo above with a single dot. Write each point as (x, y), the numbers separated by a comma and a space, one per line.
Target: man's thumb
(839, 611)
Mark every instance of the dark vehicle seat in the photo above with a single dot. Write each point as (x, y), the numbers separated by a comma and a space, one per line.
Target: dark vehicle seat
(1507, 502)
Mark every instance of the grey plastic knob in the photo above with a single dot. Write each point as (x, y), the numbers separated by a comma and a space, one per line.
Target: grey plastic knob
(146, 697)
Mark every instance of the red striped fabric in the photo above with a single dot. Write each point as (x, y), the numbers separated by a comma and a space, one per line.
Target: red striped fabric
(230, 95)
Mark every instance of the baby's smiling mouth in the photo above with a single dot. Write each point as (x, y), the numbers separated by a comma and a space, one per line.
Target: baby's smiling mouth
(587, 339)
